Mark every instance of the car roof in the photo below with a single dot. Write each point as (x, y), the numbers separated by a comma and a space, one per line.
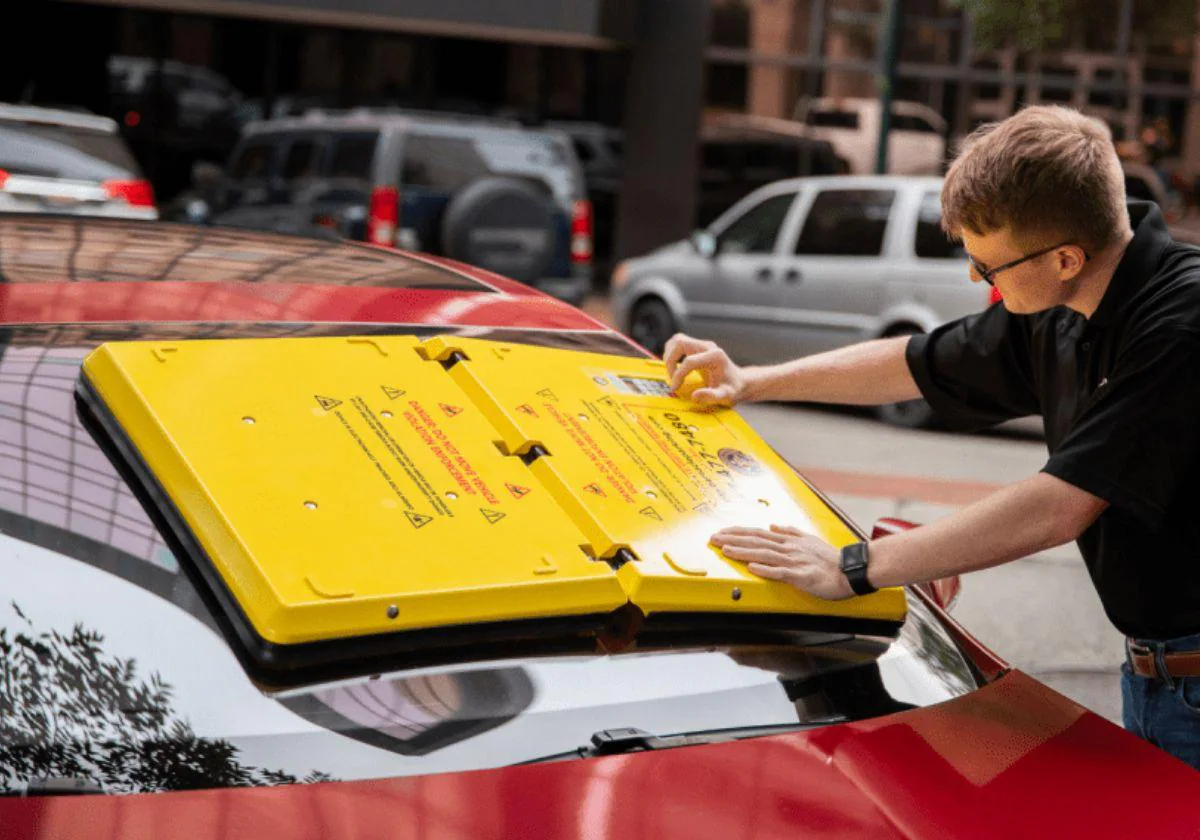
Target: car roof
(73, 270)
(55, 116)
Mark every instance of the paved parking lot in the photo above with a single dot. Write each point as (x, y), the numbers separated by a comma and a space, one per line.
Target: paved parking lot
(1041, 613)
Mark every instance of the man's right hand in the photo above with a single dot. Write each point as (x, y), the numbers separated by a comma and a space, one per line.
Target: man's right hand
(724, 382)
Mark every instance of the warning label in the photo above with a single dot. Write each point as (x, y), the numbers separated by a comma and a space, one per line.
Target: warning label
(450, 410)
(526, 408)
(547, 394)
(492, 516)
(392, 393)
(327, 403)
(418, 520)
(517, 491)
(439, 443)
(651, 512)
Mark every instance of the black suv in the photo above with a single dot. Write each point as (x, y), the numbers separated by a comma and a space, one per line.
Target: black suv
(495, 195)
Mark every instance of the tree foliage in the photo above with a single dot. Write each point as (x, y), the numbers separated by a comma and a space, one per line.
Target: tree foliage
(1032, 25)
(69, 710)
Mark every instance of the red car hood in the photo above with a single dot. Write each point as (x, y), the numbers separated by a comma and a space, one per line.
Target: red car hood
(1013, 759)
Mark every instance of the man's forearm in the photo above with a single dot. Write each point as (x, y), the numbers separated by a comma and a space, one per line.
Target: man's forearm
(1019, 520)
(871, 373)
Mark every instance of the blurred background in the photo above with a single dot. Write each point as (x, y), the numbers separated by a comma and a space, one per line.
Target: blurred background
(637, 157)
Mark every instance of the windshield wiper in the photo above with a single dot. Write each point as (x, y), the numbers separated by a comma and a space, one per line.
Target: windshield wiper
(629, 740)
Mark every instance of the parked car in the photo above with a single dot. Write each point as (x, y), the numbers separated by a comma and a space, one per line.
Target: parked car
(503, 198)
(55, 161)
(916, 140)
(803, 266)
(122, 674)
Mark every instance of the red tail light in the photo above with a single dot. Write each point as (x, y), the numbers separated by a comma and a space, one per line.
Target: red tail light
(133, 193)
(3, 178)
(994, 296)
(581, 232)
(384, 216)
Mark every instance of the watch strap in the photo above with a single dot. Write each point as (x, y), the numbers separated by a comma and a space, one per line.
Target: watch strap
(854, 566)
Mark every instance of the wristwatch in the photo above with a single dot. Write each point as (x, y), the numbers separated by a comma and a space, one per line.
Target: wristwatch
(854, 567)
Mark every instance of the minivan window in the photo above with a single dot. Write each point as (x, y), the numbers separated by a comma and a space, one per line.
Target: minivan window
(931, 241)
(846, 223)
(757, 229)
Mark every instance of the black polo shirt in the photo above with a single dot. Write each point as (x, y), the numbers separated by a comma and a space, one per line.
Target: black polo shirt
(1120, 396)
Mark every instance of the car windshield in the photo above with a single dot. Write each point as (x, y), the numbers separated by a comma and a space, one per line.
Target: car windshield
(116, 672)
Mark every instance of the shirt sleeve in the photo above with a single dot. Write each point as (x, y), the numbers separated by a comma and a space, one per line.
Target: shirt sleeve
(977, 371)
(1137, 434)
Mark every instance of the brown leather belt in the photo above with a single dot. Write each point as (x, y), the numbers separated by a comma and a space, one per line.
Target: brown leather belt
(1181, 664)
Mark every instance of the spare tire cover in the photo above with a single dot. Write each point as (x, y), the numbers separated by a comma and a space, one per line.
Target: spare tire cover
(502, 225)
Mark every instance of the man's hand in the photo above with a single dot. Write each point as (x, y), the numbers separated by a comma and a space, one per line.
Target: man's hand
(789, 555)
(724, 382)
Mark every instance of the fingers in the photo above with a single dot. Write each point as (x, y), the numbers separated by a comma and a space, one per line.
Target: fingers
(738, 531)
(789, 530)
(703, 360)
(764, 556)
(680, 345)
(721, 395)
(768, 572)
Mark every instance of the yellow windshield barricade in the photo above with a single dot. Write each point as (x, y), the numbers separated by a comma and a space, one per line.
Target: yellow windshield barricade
(348, 487)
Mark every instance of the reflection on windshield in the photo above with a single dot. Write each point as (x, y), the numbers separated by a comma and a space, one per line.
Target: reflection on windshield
(419, 714)
(70, 710)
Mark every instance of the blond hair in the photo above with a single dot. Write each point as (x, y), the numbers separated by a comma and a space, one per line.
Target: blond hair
(1047, 174)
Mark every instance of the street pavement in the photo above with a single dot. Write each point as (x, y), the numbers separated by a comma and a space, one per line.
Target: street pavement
(1040, 613)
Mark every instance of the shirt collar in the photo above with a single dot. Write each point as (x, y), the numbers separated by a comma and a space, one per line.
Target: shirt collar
(1138, 263)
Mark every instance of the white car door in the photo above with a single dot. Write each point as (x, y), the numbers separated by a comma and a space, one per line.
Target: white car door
(834, 281)
(736, 305)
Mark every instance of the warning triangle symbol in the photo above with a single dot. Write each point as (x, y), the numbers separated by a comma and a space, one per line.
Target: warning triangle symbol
(608, 401)
(517, 490)
(651, 512)
(526, 408)
(451, 410)
(418, 520)
(392, 393)
(547, 394)
(492, 516)
(595, 488)
(702, 507)
(327, 403)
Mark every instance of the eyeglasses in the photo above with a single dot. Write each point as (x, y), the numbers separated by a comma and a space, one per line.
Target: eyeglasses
(986, 274)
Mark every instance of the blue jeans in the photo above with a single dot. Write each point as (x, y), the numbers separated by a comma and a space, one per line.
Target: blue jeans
(1166, 712)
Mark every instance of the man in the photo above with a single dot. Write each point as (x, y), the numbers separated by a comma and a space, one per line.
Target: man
(1099, 332)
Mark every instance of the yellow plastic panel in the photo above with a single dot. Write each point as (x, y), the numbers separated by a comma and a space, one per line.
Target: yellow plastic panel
(347, 486)
(637, 468)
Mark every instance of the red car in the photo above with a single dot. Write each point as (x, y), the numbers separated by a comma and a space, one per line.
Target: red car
(127, 711)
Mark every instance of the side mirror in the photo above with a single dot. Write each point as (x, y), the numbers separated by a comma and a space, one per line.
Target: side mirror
(704, 243)
(205, 173)
(944, 591)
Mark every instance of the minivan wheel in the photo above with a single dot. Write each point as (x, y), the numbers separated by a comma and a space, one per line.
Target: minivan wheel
(651, 324)
(910, 414)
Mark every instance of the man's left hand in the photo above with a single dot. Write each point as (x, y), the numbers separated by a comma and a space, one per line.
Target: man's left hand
(787, 554)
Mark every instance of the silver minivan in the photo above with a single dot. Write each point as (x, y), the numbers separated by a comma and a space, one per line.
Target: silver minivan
(802, 266)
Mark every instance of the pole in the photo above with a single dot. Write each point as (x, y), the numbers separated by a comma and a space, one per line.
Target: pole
(892, 29)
